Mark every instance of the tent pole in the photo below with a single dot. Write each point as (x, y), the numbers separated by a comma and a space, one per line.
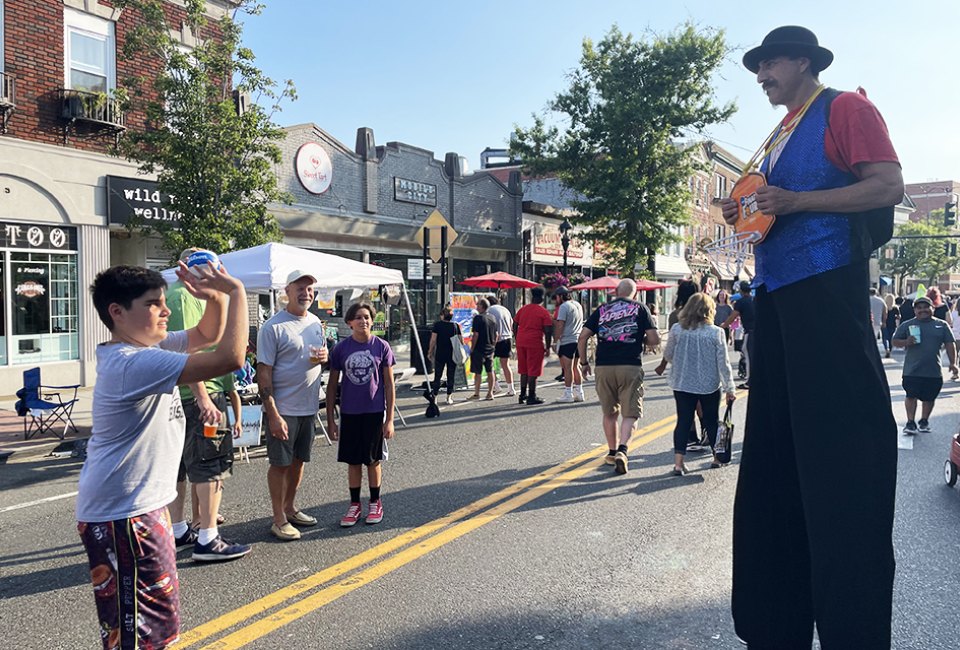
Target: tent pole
(416, 334)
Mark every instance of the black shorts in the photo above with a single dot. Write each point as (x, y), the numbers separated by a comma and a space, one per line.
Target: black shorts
(502, 348)
(205, 460)
(568, 350)
(925, 389)
(479, 363)
(361, 438)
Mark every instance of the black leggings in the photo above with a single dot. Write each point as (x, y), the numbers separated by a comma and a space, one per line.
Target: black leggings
(687, 408)
(439, 364)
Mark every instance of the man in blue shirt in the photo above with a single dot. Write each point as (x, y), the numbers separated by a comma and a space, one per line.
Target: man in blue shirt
(812, 540)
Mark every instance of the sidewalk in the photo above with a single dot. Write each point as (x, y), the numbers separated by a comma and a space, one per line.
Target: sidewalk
(12, 444)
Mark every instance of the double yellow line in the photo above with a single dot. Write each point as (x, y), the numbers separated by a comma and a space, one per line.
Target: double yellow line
(438, 533)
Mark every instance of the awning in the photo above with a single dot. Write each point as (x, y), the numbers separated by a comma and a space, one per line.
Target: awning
(669, 266)
(885, 281)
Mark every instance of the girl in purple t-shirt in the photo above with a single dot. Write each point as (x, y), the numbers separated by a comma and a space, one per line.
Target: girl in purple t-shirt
(367, 397)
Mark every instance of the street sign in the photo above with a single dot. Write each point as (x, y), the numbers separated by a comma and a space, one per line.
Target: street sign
(415, 268)
(435, 222)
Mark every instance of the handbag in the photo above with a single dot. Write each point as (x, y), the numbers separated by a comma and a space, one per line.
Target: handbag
(459, 353)
(722, 449)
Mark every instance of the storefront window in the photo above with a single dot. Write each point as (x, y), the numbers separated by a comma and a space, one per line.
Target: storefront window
(44, 317)
(3, 309)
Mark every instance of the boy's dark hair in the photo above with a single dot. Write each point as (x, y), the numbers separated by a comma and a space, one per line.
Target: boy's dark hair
(355, 308)
(122, 285)
(536, 295)
(446, 313)
(493, 300)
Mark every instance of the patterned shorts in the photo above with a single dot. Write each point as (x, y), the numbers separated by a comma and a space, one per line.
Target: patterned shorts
(133, 566)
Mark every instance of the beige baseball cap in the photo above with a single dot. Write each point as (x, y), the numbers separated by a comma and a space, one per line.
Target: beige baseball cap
(298, 274)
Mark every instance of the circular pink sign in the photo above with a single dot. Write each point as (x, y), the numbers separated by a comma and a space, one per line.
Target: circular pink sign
(314, 168)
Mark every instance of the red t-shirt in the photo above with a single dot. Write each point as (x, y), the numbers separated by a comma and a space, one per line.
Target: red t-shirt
(530, 320)
(856, 133)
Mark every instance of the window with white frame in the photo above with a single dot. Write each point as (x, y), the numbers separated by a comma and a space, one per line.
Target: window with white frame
(1, 36)
(89, 52)
(720, 191)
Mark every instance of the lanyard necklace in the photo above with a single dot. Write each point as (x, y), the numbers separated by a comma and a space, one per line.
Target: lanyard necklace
(782, 132)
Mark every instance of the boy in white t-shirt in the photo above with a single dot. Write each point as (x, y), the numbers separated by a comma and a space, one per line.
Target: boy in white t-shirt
(138, 427)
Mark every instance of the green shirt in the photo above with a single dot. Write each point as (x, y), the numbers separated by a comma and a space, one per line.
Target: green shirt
(186, 312)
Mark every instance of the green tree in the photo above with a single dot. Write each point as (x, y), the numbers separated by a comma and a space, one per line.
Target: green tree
(629, 104)
(216, 163)
(925, 258)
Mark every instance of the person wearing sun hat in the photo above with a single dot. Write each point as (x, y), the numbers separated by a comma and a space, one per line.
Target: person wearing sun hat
(291, 348)
(812, 540)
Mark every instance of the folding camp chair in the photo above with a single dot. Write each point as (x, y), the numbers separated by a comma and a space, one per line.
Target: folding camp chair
(45, 406)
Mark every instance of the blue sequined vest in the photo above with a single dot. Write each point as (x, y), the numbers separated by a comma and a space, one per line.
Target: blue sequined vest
(804, 244)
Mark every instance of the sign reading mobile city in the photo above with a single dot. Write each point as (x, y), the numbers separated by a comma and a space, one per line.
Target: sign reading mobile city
(314, 168)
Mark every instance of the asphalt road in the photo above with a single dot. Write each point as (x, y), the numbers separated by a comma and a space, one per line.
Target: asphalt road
(501, 530)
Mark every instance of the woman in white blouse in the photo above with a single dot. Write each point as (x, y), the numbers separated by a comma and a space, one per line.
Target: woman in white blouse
(697, 350)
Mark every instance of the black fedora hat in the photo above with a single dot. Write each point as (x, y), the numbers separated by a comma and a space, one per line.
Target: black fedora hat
(789, 40)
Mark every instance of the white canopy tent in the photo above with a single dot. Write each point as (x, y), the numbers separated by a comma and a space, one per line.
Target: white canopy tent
(264, 269)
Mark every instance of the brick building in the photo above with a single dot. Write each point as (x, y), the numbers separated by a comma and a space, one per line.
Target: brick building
(930, 196)
(59, 64)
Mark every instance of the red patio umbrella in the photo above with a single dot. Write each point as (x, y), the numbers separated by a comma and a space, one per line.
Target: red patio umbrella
(608, 282)
(499, 280)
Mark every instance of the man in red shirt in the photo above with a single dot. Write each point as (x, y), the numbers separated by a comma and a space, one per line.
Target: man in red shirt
(532, 329)
(812, 541)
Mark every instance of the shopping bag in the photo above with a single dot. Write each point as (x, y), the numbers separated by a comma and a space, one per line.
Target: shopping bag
(459, 353)
(724, 443)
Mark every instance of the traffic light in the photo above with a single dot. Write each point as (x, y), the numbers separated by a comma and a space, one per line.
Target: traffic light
(901, 252)
(949, 214)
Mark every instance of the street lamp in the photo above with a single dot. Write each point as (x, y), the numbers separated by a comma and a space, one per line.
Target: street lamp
(565, 242)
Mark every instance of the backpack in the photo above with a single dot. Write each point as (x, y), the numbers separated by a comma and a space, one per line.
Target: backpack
(870, 229)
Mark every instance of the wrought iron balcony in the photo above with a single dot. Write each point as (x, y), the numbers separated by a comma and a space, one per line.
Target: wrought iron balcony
(96, 109)
(8, 98)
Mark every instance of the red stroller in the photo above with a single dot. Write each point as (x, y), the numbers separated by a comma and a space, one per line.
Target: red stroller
(952, 467)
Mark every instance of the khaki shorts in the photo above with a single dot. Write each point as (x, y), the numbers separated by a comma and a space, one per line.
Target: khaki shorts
(620, 389)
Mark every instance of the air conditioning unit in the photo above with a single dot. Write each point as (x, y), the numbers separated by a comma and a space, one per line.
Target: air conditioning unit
(242, 101)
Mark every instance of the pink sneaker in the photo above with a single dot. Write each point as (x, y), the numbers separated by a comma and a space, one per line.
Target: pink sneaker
(375, 513)
(352, 516)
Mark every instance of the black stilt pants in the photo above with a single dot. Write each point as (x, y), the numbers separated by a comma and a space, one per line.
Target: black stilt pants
(813, 517)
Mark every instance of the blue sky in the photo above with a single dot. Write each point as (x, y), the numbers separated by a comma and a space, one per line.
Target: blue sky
(456, 76)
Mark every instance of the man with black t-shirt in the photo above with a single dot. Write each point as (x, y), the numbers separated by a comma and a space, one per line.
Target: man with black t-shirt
(622, 327)
(745, 311)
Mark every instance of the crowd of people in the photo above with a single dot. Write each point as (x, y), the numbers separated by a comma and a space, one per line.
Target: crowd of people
(829, 166)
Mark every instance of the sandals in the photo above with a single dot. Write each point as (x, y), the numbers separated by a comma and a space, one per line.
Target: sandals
(679, 471)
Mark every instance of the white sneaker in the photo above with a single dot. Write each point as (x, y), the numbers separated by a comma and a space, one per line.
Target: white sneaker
(566, 398)
(449, 399)
(578, 395)
(511, 392)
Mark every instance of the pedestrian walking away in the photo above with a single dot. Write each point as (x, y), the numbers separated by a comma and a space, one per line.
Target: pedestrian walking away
(891, 324)
(207, 457)
(878, 313)
(697, 351)
(744, 310)
(923, 337)
(130, 473)
(367, 399)
(819, 418)
(566, 332)
(622, 327)
(483, 342)
(685, 290)
(501, 315)
(441, 351)
(533, 331)
(291, 351)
